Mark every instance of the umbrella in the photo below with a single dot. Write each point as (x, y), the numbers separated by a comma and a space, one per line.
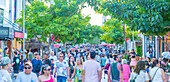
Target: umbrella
(166, 55)
(104, 44)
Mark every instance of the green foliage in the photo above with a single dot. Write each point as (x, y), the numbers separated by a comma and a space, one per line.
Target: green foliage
(148, 16)
(125, 56)
(63, 20)
(113, 32)
(90, 34)
(139, 50)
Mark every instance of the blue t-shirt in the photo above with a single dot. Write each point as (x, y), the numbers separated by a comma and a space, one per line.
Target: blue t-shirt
(35, 63)
(147, 70)
(103, 61)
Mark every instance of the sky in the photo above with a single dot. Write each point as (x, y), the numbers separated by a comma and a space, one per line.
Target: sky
(96, 19)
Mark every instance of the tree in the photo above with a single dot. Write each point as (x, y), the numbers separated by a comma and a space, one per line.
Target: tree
(113, 32)
(148, 16)
(151, 17)
(63, 20)
(90, 34)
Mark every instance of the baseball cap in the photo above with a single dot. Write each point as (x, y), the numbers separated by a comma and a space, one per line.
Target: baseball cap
(28, 63)
(36, 53)
(4, 61)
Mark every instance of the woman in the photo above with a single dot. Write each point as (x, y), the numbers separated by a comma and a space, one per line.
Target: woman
(109, 61)
(148, 60)
(133, 61)
(139, 74)
(126, 71)
(157, 74)
(103, 62)
(45, 74)
(71, 65)
(78, 70)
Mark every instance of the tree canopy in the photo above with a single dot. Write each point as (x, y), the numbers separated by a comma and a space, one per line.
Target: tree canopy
(113, 32)
(147, 16)
(62, 19)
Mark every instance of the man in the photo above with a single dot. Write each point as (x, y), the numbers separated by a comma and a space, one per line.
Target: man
(137, 57)
(37, 63)
(27, 75)
(53, 56)
(62, 69)
(59, 52)
(16, 63)
(115, 70)
(46, 60)
(6, 65)
(91, 70)
(97, 57)
(30, 55)
(6, 49)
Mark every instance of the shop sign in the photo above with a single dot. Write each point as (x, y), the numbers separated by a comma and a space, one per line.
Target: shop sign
(18, 35)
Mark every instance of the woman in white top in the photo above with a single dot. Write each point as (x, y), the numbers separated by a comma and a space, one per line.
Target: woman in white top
(157, 74)
(139, 74)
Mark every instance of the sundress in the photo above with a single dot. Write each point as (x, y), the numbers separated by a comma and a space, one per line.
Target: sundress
(78, 76)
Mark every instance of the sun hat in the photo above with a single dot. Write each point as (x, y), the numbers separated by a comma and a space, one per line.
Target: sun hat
(4, 61)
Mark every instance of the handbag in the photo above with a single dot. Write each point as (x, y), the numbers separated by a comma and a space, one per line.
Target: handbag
(108, 65)
(133, 80)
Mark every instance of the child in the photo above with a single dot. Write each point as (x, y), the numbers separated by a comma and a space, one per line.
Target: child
(52, 66)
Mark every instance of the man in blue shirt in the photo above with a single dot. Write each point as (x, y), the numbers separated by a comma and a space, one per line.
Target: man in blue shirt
(37, 63)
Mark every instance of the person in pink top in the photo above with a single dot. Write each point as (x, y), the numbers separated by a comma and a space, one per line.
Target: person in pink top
(125, 71)
(45, 74)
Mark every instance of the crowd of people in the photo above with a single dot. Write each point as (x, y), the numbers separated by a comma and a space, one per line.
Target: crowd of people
(84, 64)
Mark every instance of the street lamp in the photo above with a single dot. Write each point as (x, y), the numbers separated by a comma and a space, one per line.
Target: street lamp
(23, 9)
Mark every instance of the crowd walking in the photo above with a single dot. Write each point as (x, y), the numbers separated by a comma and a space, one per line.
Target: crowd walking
(84, 64)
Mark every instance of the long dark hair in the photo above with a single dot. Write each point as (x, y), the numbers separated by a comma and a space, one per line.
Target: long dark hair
(140, 66)
(43, 68)
(155, 62)
(70, 61)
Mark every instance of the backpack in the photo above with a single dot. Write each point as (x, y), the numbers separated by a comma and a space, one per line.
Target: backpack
(38, 67)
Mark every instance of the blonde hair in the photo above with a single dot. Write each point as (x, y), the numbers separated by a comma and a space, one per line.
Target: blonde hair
(81, 62)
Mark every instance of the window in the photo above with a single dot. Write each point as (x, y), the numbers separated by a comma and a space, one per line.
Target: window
(1, 15)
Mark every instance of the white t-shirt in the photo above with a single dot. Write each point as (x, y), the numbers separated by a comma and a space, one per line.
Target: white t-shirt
(61, 68)
(158, 74)
(111, 60)
(22, 77)
(5, 75)
(147, 54)
(91, 68)
(142, 77)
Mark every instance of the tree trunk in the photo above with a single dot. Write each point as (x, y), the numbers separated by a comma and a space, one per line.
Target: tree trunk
(124, 32)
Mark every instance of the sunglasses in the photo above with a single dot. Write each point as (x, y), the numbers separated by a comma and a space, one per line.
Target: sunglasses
(27, 67)
(47, 69)
(61, 56)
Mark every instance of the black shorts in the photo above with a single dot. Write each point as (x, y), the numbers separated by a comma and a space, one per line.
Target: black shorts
(105, 71)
